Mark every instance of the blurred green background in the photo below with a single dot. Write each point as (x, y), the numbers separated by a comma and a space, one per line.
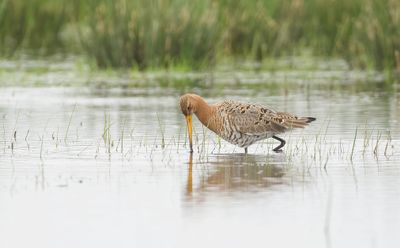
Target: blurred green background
(199, 34)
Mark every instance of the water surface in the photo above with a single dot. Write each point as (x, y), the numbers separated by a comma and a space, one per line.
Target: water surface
(85, 167)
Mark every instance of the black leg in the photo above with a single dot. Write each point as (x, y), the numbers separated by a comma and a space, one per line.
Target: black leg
(278, 148)
(245, 150)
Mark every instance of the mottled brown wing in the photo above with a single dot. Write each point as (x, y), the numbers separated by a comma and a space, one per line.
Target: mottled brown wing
(254, 119)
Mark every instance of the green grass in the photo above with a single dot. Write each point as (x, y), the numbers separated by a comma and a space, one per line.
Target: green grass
(198, 34)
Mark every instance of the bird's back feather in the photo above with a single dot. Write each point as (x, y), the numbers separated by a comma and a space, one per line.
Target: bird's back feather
(256, 119)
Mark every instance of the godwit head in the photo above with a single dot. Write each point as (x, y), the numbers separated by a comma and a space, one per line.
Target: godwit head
(189, 104)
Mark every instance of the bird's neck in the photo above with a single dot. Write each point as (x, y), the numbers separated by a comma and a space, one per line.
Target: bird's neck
(204, 113)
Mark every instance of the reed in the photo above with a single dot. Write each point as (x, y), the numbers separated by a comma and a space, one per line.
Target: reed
(161, 131)
(108, 143)
(41, 138)
(201, 33)
(26, 139)
(378, 138)
(69, 124)
(388, 140)
(354, 144)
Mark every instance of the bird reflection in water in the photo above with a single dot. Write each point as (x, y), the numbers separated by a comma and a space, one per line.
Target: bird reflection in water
(189, 187)
(235, 173)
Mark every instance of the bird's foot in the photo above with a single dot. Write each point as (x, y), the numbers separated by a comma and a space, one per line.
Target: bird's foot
(282, 144)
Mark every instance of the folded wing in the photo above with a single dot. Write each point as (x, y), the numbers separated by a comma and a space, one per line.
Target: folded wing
(256, 119)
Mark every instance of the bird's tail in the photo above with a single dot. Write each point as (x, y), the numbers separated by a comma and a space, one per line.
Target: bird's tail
(292, 121)
(309, 119)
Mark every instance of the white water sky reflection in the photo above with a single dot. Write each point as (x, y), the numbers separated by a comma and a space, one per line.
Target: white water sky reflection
(62, 188)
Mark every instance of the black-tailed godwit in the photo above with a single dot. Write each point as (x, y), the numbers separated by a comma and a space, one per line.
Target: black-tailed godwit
(239, 123)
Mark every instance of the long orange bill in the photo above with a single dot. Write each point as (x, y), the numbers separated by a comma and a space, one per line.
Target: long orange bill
(190, 129)
(189, 187)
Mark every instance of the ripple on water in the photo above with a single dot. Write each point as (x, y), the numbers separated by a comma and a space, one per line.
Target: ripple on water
(97, 161)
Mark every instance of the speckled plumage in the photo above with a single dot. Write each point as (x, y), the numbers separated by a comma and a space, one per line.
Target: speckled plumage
(239, 123)
(243, 124)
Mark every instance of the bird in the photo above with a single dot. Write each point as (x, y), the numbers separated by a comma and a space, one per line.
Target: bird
(239, 123)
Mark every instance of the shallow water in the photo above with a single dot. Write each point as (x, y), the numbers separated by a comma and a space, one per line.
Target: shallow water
(84, 167)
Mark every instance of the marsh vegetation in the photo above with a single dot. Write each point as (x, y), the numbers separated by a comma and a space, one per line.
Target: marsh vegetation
(201, 34)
